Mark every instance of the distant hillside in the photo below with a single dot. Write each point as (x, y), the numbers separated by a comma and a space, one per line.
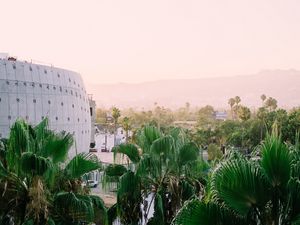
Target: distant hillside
(284, 85)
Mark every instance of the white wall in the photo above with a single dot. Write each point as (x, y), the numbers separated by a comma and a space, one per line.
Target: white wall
(32, 92)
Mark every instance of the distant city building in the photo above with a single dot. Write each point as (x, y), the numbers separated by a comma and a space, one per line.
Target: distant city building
(33, 92)
(220, 115)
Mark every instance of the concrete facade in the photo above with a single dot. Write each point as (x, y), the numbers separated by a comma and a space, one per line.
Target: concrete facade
(33, 92)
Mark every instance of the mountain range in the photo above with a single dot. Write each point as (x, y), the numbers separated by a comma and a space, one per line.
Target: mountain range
(283, 85)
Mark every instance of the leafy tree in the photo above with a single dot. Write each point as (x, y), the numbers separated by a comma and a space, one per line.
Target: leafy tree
(244, 113)
(271, 103)
(214, 152)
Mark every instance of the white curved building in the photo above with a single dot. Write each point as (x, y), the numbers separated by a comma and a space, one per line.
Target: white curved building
(33, 92)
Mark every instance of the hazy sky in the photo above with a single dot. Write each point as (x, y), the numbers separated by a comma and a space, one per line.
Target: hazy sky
(140, 40)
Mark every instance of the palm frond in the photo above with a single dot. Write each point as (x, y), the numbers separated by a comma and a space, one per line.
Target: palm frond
(57, 146)
(276, 161)
(241, 185)
(163, 146)
(196, 212)
(75, 206)
(33, 164)
(147, 136)
(130, 150)
(81, 164)
(188, 153)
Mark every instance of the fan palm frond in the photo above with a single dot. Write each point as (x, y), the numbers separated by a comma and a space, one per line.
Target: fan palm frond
(130, 150)
(276, 161)
(81, 164)
(196, 212)
(241, 185)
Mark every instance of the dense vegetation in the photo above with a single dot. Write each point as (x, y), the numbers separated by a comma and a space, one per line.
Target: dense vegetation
(252, 175)
(262, 189)
(38, 185)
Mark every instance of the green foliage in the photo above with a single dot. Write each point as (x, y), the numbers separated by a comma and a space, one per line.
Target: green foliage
(263, 190)
(130, 150)
(37, 185)
(214, 152)
(82, 164)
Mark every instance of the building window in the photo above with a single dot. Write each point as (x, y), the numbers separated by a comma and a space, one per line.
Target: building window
(7, 82)
(14, 66)
(54, 88)
(58, 75)
(47, 86)
(62, 104)
(56, 118)
(43, 117)
(32, 84)
(72, 105)
(41, 85)
(16, 83)
(45, 71)
(60, 89)
(18, 100)
(68, 118)
(49, 102)
(91, 111)
(25, 84)
(34, 100)
(9, 117)
(69, 80)
(30, 68)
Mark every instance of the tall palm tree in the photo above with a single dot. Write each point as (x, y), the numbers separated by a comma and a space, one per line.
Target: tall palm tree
(116, 113)
(164, 167)
(231, 103)
(263, 97)
(260, 190)
(31, 173)
(126, 125)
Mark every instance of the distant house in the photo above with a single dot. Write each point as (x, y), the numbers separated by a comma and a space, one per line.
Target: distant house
(221, 115)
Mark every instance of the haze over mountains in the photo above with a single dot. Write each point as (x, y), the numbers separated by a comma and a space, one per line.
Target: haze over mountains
(284, 85)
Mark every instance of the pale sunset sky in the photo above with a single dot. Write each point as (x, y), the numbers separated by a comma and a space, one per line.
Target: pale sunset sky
(142, 40)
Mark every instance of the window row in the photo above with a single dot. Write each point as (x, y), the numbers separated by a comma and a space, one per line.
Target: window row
(59, 88)
(46, 72)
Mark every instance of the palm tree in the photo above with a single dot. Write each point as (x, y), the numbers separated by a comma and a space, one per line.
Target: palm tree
(166, 168)
(231, 102)
(263, 97)
(32, 172)
(126, 125)
(260, 190)
(116, 113)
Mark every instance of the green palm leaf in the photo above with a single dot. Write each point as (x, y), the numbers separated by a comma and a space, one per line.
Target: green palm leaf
(147, 136)
(75, 206)
(81, 164)
(33, 164)
(196, 212)
(130, 150)
(188, 153)
(163, 146)
(241, 185)
(276, 161)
